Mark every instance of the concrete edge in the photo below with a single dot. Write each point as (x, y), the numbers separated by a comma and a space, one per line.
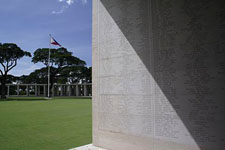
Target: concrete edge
(87, 147)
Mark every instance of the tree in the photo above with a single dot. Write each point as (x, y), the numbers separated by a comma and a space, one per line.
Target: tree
(87, 75)
(60, 59)
(11, 79)
(70, 74)
(38, 76)
(10, 53)
(76, 74)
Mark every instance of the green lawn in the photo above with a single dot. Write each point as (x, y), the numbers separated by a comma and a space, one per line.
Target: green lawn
(36, 124)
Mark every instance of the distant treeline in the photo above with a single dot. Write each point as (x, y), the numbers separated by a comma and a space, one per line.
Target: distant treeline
(64, 67)
(39, 76)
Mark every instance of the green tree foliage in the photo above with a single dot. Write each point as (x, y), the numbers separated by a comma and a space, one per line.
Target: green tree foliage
(11, 79)
(38, 76)
(9, 55)
(70, 74)
(61, 59)
(75, 74)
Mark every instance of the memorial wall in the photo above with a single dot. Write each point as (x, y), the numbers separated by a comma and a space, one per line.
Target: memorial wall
(159, 74)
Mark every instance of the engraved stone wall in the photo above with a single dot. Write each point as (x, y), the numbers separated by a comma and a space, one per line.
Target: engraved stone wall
(159, 74)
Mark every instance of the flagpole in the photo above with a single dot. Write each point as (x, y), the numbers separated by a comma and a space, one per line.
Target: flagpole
(49, 66)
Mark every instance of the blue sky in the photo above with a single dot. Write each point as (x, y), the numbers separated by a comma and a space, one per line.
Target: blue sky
(28, 23)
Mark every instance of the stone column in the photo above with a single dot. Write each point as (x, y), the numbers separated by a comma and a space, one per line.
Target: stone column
(77, 90)
(36, 90)
(61, 93)
(17, 87)
(69, 90)
(58, 92)
(39, 90)
(8, 90)
(44, 90)
(90, 90)
(27, 90)
(85, 89)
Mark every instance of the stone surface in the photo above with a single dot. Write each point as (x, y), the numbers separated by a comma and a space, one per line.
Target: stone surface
(87, 147)
(158, 74)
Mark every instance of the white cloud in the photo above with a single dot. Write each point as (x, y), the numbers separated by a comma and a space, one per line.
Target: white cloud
(63, 8)
(84, 1)
(66, 4)
(70, 2)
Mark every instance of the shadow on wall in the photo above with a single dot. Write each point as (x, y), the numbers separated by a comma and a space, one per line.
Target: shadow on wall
(182, 44)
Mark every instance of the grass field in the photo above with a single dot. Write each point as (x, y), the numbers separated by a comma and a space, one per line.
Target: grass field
(37, 124)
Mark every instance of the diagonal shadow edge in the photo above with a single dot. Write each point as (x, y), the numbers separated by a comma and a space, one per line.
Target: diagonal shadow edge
(130, 37)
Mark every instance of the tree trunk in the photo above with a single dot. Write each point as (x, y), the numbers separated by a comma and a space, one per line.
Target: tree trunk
(3, 90)
(3, 86)
(50, 88)
(52, 80)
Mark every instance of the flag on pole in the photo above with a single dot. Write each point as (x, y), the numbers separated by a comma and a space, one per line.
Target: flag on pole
(54, 42)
